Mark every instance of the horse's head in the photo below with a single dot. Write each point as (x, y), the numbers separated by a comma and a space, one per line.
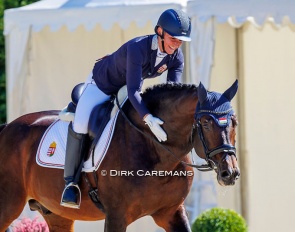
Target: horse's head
(216, 123)
(176, 105)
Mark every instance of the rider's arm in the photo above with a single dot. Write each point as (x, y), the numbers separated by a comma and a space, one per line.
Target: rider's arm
(134, 79)
(134, 83)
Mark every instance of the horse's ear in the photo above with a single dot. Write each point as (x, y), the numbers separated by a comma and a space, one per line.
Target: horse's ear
(231, 91)
(202, 93)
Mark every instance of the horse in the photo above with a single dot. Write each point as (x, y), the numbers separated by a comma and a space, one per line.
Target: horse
(164, 171)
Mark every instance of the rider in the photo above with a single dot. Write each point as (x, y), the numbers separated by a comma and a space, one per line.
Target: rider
(142, 57)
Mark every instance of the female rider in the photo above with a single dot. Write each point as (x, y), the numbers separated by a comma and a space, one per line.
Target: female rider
(142, 57)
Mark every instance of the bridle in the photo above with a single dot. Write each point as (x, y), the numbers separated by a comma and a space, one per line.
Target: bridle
(224, 148)
(210, 165)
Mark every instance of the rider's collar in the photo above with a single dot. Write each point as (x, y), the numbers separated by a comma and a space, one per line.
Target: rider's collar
(155, 43)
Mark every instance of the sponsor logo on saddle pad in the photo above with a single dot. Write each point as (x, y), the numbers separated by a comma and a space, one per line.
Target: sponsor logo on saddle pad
(51, 150)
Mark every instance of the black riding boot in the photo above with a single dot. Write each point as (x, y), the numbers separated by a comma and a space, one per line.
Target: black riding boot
(75, 150)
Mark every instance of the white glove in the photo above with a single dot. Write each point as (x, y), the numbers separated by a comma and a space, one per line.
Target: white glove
(154, 124)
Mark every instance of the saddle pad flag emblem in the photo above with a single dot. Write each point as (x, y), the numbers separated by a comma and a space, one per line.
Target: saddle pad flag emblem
(222, 121)
(51, 149)
(162, 69)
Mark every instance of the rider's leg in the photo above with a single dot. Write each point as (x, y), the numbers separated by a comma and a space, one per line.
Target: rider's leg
(74, 156)
(75, 149)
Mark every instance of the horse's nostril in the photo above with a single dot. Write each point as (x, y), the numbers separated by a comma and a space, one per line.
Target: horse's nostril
(225, 174)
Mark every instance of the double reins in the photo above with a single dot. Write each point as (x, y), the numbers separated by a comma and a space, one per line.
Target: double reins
(202, 167)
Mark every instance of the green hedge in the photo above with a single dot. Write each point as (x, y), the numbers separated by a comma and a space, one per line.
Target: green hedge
(6, 4)
(219, 220)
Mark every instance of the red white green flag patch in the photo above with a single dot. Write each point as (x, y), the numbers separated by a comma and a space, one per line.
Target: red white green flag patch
(222, 121)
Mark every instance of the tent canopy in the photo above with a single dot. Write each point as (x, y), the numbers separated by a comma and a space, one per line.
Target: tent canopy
(73, 13)
(237, 12)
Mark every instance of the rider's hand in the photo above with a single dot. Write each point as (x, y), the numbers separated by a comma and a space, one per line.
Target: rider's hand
(154, 124)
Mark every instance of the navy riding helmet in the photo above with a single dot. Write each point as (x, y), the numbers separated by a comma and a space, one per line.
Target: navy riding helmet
(176, 23)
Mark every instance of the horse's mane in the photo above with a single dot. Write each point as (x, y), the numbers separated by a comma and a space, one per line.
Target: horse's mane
(166, 93)
(168, 89)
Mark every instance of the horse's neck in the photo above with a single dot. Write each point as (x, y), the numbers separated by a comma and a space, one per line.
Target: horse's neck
(178, 124)
(178, 117)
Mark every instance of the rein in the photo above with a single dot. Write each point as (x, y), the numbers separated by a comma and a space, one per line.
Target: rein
(203, 167)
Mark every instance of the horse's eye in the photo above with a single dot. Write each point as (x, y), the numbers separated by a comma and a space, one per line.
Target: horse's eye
(205, 124)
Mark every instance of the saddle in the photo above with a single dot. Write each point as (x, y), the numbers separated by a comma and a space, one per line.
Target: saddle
(99, 116)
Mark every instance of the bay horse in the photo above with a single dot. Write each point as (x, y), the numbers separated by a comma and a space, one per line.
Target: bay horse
(194, 118)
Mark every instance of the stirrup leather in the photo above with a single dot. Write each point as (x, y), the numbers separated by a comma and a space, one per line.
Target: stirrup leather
(65, 204)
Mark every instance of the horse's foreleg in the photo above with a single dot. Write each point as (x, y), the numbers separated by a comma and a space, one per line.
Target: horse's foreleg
(58, 224)
(173, 219)
(115, 222)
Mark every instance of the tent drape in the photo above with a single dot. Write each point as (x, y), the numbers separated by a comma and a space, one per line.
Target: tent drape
(201, 51)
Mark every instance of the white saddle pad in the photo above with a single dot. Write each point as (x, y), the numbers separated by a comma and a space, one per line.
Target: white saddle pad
(51, 150)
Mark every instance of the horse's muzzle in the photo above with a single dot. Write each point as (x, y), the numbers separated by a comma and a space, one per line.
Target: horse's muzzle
(228, 171)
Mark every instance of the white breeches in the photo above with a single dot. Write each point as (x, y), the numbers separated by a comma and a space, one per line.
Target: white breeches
(90, 97)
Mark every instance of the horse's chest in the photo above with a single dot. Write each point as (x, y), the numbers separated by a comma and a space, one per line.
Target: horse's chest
(170, 190)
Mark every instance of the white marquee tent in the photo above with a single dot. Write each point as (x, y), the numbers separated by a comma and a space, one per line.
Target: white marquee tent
(52, 45)
(77, 32)
(207, 14)
(254, 41)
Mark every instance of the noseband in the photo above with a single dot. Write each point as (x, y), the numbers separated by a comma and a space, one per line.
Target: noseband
(224, 148)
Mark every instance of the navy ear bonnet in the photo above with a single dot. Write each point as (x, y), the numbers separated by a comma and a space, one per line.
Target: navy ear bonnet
(216, 105)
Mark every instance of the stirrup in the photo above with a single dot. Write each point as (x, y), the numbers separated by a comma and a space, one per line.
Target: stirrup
(65, 204)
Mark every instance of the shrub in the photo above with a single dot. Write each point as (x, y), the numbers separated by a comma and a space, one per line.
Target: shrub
(219, 220)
